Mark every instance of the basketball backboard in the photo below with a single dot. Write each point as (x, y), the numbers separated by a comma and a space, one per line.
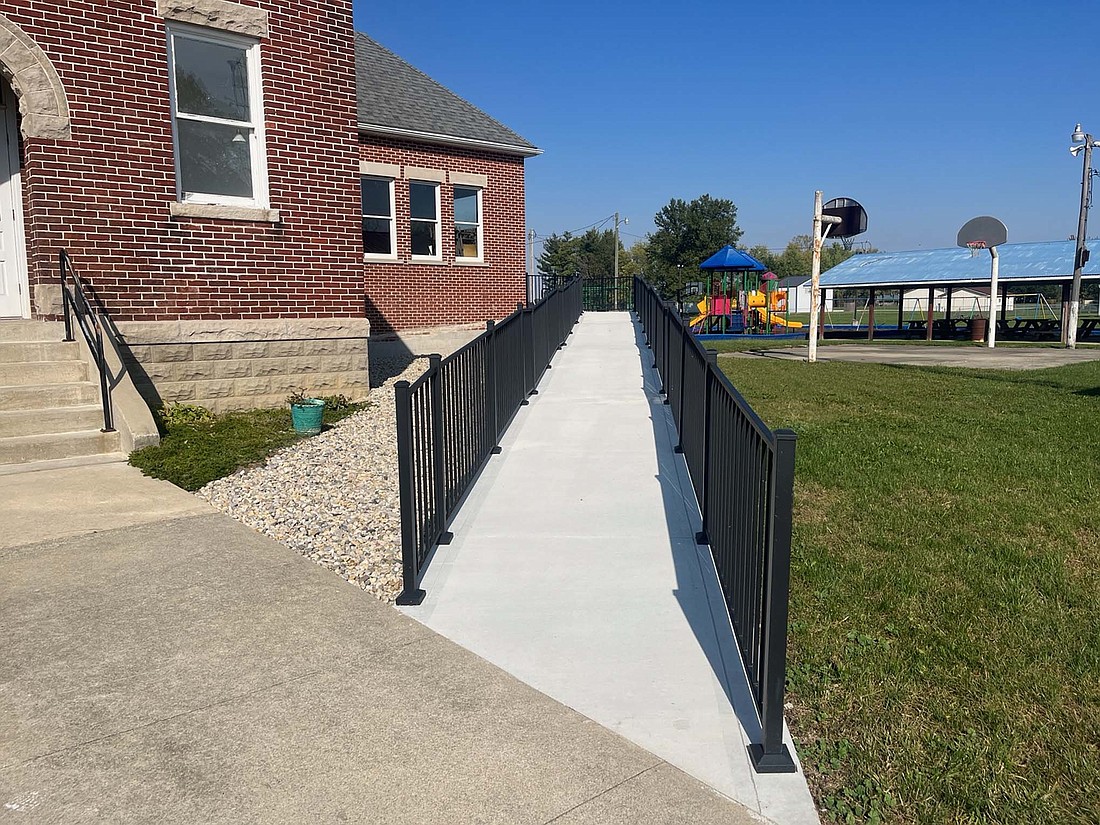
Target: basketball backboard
(982, 232)
(853, 217)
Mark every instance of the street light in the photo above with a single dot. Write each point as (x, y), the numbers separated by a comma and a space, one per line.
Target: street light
(1082, 141)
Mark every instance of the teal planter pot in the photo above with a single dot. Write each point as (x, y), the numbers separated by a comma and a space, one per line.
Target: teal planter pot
(307, 417)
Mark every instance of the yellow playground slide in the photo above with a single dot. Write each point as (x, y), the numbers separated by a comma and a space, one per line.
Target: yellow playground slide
(783, 322)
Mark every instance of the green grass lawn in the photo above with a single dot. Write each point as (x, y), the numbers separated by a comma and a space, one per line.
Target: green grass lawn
(194, 453)
(945, 600)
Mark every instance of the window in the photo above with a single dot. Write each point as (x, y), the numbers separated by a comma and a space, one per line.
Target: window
(424, 219)
(217, 118)
(378, 233)
(467, 223)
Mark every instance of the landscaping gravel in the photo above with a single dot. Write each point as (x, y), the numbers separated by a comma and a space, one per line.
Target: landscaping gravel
(333, 498)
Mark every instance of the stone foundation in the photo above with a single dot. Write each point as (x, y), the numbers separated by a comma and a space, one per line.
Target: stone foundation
(234, 365)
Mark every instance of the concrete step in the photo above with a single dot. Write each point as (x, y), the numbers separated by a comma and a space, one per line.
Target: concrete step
(32, 330)
(48, 396)
(53, 420)
(13, 351)
(33, 373)
(62, 463)
(23, 448)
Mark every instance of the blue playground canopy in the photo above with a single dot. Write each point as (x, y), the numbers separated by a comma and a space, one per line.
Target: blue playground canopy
(728, 259)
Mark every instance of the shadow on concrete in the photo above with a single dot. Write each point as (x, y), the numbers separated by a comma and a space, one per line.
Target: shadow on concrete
(698, 592)
(387, 357)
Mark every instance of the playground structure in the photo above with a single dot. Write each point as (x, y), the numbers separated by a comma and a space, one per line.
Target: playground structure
(738, 298)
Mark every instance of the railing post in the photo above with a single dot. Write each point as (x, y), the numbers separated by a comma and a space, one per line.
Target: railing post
(63, 268)
(771, 755)
(439, 450)
(492, 419)
(410, 566)
(703, 536)
(529, 368)
(679, 448)
(104, 389)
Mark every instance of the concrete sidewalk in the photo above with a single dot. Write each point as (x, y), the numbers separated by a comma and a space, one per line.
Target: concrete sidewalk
(922, 355)
(165, 664)
(574, 567)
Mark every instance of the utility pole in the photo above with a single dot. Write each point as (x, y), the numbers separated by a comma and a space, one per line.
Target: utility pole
(1081, 254)
(615, 283)
(531, 251)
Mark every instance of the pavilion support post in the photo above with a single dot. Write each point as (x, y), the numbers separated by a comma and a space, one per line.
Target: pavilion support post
(1004, 303)
(931, 313)
(871, 317)
(947, 313)
(901, 305)
(1065, 313)
(821, 318)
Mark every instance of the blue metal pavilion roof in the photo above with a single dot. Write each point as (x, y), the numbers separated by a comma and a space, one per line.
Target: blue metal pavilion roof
(1046, 261)
(729, 259)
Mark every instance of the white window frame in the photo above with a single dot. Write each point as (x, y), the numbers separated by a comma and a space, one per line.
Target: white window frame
(461, 259)
(392, 254)
(437, 186)
(257, 140)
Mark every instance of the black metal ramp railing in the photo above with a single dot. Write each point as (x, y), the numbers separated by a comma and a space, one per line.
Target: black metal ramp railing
(91, 318)
(450, 420)
(743, 477)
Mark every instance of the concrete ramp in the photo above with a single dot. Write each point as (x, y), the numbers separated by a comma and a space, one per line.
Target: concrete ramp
(574, 568)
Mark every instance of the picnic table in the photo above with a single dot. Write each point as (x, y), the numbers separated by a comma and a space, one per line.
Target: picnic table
(945, 327)
(1029, 327)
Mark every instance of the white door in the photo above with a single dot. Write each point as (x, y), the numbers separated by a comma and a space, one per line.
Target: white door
(13, 267)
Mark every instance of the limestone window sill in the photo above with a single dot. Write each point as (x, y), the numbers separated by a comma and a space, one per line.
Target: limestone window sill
(224, 213)
(463, 262)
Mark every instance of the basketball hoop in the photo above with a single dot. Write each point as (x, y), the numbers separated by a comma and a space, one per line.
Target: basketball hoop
(975, 246)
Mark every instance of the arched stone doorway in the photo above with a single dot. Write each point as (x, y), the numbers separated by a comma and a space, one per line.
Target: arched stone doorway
(43, 106)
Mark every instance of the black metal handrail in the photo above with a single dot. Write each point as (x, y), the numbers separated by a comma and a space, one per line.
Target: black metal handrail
(598, 294)
(743, 476)
(89, 317)
(450, 419)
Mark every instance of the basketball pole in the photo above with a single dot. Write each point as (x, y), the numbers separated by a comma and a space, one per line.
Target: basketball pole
(815, 272)
(994, 271)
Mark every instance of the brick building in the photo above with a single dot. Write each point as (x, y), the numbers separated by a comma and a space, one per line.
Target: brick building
(207, 164)
(445, 184)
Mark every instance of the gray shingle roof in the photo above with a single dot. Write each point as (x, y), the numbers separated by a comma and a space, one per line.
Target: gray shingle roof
(395, 95)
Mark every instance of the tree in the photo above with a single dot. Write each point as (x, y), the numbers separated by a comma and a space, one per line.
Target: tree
(634, 261)
(797, 259)
(559, 256)
(687, 234)
(591, 255)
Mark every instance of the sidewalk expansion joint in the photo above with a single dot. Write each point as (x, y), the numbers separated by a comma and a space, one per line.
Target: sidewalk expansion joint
(606, 791)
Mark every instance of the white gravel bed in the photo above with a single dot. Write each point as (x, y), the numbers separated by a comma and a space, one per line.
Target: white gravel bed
(333, 497)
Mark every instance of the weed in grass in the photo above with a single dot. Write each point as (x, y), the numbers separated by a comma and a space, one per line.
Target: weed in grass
(945, 597)
(177, 413)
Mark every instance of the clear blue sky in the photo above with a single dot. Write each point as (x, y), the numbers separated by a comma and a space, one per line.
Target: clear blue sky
(928, 114)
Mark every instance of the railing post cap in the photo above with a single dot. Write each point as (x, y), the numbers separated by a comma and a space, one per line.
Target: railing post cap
(402, 385)
(711, 355)
(434, 359)
(786, 434)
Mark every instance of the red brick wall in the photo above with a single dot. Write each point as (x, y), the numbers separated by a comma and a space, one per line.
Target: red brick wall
(406, 295)
(105, 194)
